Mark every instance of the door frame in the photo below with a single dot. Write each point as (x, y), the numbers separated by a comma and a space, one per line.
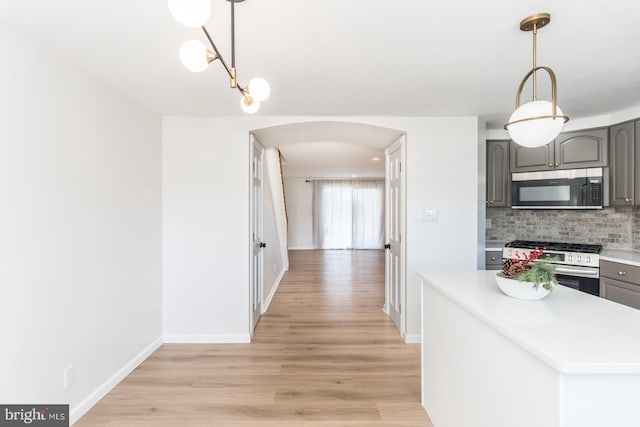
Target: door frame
(402, 143)
(253, 143)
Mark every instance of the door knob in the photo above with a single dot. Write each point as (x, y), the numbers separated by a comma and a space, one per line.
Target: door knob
(387, 246)
(263, 245)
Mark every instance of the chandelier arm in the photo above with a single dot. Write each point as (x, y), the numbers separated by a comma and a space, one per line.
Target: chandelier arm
(222, 61)
(554, 91)
(565, 119)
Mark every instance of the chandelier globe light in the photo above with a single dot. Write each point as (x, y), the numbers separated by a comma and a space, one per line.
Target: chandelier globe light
(196, 57)
(193, 55)
(249, 105)
(537, 122)
(191, 13)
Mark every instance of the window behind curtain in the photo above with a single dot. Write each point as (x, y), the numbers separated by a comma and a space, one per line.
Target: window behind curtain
(348, 214)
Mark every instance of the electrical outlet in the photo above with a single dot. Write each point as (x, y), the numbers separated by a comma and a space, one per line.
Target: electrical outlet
(69, 376)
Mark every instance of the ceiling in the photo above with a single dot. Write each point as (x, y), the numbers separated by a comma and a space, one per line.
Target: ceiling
(330, 149)
(350, 58)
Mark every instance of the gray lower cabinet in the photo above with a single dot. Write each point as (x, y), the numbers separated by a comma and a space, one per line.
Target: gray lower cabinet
(493, 260)
(622, 176)
(498, 176)
(570, 150)
(620, 283)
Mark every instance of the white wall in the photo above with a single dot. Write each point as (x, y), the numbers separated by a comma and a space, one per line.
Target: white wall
(205, 208)
(80, 227)
(299, 199)
(206, 205)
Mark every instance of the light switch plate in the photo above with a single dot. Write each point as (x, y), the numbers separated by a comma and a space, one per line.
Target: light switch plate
(430, 215)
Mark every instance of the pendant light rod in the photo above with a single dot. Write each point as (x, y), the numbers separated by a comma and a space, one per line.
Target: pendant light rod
(233, 35)
(219, 56)
(535, 52)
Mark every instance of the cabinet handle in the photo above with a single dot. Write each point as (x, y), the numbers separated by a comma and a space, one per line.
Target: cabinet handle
(557, 164)
(493, 258)
(550, 165)
(627, 199)
(622, 273)
(490, 202)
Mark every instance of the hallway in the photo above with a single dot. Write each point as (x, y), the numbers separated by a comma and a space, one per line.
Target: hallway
(323, 355)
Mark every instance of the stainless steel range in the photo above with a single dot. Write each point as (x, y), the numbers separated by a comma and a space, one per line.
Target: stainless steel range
(577, 265)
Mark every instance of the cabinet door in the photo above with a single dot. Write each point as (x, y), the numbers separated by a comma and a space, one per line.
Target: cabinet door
(524, 159)
(621, 292)
(582, 149)
(622, 163)
(498, 177)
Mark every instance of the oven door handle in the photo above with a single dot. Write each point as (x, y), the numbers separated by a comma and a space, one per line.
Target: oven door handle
(575, 271)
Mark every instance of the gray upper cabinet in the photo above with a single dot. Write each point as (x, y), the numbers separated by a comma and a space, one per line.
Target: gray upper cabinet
(636, 181)
(524, 159)
(498, 177)
(622, 167)
(570, 150)
(583, 149)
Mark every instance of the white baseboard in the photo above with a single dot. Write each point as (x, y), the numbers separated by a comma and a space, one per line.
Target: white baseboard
(301, 248)
(207, 339)
(413, 339)
(78, 411)
(267, 300)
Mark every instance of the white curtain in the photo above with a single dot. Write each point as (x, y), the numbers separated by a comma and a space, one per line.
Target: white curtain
(348, 214)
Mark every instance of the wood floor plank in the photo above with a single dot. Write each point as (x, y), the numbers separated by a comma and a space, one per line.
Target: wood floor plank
(323, 355)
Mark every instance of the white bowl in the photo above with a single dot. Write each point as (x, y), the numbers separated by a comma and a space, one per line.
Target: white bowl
(521, 290)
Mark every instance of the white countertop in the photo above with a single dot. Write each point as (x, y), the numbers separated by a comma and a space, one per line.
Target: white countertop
(625, 256)
(571, 331)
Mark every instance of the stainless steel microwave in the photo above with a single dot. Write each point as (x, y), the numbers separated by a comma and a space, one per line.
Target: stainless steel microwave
(558, 189)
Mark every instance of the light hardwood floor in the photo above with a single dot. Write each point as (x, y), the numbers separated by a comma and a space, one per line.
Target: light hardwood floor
(323, 355)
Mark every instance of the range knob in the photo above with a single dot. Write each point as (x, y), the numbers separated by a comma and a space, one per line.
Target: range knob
(579, 258)
(570, 258)
(588, 259)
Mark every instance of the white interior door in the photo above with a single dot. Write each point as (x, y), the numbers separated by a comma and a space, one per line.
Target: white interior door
(256, 233)
(395, 246)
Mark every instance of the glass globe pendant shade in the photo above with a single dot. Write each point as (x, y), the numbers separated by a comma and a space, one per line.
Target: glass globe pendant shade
(249, 105)
(191, 13)
(536, 132)
(259, 89)
(193, 55)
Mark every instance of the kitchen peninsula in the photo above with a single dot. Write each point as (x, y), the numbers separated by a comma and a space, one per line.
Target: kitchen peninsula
(569, 360)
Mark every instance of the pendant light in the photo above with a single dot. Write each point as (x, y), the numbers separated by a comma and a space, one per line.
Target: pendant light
(538, 122)
(196, 57)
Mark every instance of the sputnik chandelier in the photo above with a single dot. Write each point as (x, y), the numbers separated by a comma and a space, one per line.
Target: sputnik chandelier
(196, 57)
(536, 123)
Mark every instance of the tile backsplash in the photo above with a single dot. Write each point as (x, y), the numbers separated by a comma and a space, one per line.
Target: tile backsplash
(614, 228)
